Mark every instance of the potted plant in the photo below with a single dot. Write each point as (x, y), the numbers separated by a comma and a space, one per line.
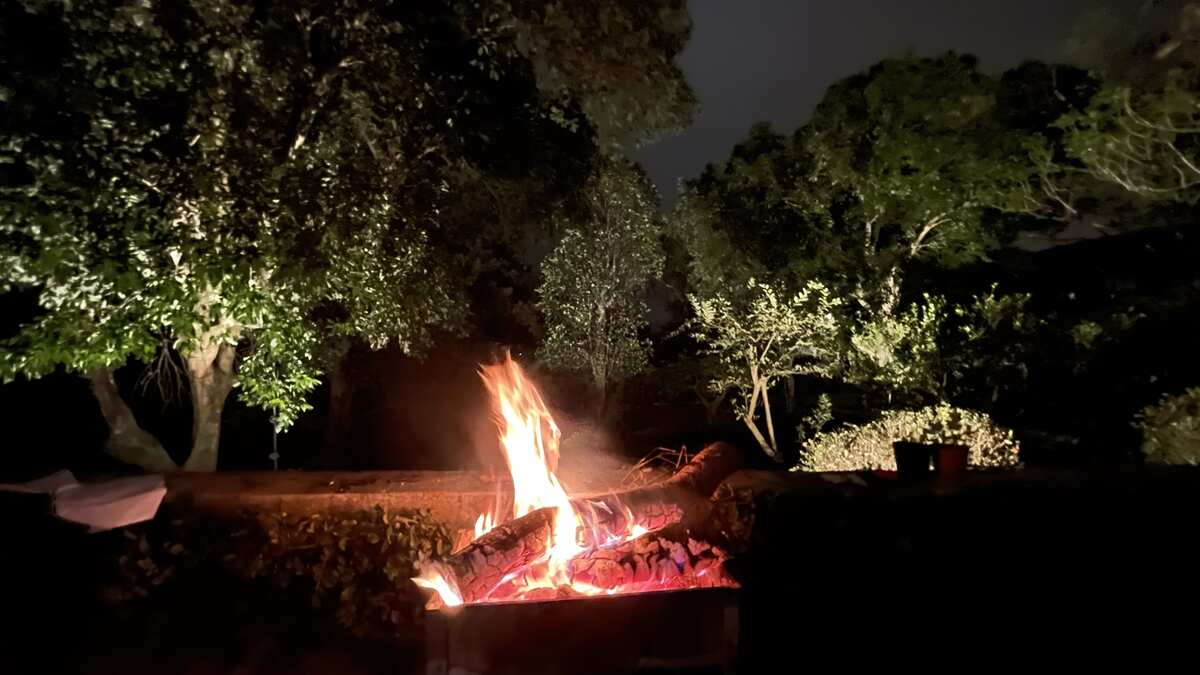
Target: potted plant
(935, 434)
(943, 432)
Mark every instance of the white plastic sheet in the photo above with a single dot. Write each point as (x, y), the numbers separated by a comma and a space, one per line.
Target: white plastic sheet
(102, 505)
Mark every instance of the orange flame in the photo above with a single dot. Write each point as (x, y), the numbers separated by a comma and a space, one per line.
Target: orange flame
(432, 577)
(529, 438)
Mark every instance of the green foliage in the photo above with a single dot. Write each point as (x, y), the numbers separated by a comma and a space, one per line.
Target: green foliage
(774, 335)
(716, 262)
(869, 446)
(907, 161)
(989, 313)
(280, 177)
(1085, 333)
(357, 565)
(593, 291)
(915, 160)
(1142, 141)
(158, 204)
(988, 350)
(816, 420)
(1171, 429)
(1139, 131)
(901, 352)
(614, 59)
(276, 374)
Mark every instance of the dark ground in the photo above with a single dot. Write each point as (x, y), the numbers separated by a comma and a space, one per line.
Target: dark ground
(1067, 569)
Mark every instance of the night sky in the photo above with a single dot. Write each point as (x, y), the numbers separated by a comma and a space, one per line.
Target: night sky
(752, 60)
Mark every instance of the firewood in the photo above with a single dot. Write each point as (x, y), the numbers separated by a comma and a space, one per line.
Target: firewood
(486, 563)
(508, 548)
(654, 561)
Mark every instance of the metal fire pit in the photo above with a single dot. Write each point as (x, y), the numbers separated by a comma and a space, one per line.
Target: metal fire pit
(688, 631)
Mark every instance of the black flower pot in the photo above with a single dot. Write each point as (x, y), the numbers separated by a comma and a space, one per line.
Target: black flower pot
(913, 459)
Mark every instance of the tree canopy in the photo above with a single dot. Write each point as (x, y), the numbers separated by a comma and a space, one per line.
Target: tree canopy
(241, 183)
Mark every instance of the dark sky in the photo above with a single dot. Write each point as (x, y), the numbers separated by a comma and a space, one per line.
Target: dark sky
(752, 60)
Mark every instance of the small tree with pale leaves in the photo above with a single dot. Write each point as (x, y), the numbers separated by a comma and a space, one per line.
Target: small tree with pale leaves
(899, 352)
(593, 292)
(772, 336)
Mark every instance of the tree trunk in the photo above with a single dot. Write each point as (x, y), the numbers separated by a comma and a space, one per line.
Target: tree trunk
(790, 394)
(766, 399)
(210, 371)
(127, 441)
(712, 404)
(891, 292)
(341, 412)
(748, 419)
(600, 383)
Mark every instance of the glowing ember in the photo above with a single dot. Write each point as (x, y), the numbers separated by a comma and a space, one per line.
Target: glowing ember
(582, 539)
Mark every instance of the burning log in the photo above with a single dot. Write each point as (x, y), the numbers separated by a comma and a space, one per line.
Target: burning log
(669, 559)
(686, 495)
(487, 563)
(655, 561)
(508, 548)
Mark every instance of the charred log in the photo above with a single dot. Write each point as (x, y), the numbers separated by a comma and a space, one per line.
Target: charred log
(655, 561)
(510, 547)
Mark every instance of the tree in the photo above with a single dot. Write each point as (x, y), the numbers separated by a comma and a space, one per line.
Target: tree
(1140, 130)
(988, 351)
(593, 292)
(772, 336)
(912, 161)
(614, 60)
(715, 262)
(695, 375)
(252, 185)
(737, 220)
(223, 182)
(899, 352)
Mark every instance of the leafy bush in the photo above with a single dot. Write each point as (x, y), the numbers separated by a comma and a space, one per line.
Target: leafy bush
(356, 564)
(1171, 429)
(869, 446)
(900, 352)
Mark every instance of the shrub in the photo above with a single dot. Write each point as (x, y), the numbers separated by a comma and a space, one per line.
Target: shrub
(869, 446)
(355, 564)
(899, 353)
(1171, 429)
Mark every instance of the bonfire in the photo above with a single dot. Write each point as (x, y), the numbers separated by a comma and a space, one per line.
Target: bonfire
(552, 545)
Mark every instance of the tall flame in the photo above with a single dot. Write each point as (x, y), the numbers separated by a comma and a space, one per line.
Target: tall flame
(529, 439)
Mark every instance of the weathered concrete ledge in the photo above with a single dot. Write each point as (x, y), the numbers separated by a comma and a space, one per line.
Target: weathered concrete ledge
(454, 497)
(458, 497)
